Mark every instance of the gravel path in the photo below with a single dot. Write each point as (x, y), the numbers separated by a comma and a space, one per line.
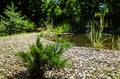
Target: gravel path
(85, 63)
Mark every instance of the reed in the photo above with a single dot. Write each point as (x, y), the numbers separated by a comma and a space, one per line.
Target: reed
(96, 32)
(118, 42)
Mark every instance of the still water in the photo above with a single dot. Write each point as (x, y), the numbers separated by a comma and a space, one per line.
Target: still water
(82, 40)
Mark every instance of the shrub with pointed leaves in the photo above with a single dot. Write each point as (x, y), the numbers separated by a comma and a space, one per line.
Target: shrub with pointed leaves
(14, 22)
(42, 58)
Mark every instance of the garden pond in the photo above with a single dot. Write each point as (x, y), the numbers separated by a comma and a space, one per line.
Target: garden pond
(82, 40)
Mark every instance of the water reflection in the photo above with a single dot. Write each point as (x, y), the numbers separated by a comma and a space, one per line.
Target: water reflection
(82, 40)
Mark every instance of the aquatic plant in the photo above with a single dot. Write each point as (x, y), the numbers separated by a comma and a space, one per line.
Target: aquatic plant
(96, 32)
(97, 28)
(118, 42)
(95, 36)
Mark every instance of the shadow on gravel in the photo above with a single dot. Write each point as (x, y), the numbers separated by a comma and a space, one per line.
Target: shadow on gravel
(24, 75)
(20, 75)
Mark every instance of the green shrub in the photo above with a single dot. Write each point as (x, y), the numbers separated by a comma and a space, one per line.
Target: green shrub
(59, 29)
(14, 22)
(64, 28)
(42, 58)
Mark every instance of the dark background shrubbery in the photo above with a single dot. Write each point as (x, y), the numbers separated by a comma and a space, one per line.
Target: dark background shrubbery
(75, 12)
(13, 22)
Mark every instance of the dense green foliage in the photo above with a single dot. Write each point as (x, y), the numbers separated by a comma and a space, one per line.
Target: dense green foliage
(76, 12)
(63, 28)
(13, 22)
(42, 58)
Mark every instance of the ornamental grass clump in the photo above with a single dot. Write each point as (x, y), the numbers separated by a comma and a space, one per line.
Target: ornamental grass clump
(43, 58)
(95, 34)
(118, 42)
(97, 27)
